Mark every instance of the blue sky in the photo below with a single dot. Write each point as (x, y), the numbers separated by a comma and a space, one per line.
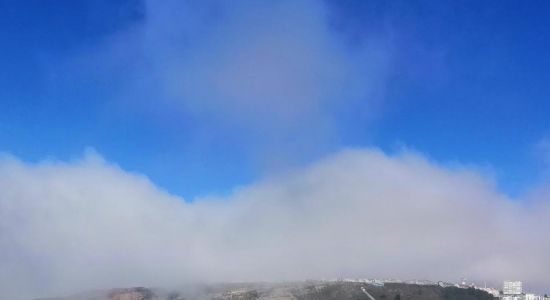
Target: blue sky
(462, 83)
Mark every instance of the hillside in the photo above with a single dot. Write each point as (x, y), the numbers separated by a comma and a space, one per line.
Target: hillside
(296, 291)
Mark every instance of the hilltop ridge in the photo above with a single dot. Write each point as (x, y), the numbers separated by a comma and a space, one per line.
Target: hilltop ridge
(310, 290)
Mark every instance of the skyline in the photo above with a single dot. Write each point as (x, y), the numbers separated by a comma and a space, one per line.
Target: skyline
(154, 143)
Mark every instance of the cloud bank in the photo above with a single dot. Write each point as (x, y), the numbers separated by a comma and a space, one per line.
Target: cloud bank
(277, 74)
(88, 224)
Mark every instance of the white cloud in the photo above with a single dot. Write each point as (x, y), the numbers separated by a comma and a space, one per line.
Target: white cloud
(271, 76)
(86, 224)
(262, 64)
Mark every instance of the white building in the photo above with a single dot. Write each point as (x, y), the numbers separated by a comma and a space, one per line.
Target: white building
(512, 297)
(512, 288)
(533, 297)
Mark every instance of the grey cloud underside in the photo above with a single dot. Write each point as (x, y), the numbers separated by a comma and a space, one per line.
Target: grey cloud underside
(88, 224)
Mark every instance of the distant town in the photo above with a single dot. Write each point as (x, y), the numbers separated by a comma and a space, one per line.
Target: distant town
(510, 290)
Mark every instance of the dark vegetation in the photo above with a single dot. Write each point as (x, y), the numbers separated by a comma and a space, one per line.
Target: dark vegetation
(391, 291)
(454, 293)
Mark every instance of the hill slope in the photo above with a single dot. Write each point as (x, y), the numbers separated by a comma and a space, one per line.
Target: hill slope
(294, 291)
